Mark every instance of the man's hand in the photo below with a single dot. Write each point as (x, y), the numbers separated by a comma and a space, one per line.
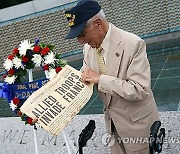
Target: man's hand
(89, 76)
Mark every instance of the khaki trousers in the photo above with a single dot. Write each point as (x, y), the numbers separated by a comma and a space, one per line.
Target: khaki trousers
(118, 147)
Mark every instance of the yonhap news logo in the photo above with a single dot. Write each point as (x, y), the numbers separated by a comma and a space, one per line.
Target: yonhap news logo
(108, 140)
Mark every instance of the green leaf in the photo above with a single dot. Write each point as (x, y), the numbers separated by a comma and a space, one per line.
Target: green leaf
(23, 117)
(18, 55)
(30, 65)
(58, 56)
(42, 45)
(18, 80)
(21, 72)
(51, 47)
(61, 62)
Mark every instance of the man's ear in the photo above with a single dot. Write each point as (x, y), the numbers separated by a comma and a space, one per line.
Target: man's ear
(97, 22)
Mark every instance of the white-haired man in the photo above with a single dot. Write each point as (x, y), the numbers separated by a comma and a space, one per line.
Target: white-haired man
(116, 61)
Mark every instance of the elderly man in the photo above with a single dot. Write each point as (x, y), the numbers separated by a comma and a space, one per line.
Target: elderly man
(116, 61)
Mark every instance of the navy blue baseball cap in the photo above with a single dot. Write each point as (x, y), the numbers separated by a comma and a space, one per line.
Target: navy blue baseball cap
(79, 15)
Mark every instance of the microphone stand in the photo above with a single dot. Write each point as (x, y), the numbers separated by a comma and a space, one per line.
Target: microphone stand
(35, 128)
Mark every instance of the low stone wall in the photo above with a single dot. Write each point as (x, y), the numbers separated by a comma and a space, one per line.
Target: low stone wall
(16, 138)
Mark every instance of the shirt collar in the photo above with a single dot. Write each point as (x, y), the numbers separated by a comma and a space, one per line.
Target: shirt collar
(105, 43)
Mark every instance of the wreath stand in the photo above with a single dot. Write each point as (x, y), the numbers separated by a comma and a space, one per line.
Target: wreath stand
(69, 144)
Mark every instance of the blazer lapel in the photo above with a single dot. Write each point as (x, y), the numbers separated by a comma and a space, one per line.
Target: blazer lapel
(115, 52)
(114, 56)
(114, 59)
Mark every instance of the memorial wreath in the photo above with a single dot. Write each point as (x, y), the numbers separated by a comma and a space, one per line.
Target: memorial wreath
(26, 57)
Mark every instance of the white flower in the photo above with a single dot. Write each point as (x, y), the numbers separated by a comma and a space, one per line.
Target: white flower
(37, 59)
(17, 62)
(24, 46)
(50, 58)
(38, 125)
(50, 74)
(8, 64)
(13, 106)
(11, 79)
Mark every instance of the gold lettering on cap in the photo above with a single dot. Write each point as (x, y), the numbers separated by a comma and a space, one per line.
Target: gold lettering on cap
(70, 18)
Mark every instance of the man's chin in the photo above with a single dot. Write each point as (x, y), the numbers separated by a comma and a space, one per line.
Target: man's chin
(93, 46)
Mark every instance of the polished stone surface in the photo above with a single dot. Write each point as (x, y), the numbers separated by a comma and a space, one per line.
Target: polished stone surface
(17, 138)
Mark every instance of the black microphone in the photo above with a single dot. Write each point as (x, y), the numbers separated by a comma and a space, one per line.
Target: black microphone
(156, 141)
(86, 134)
(161, 137)
(155, 127)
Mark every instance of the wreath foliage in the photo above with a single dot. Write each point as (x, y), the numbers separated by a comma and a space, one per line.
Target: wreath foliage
(29, 55)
